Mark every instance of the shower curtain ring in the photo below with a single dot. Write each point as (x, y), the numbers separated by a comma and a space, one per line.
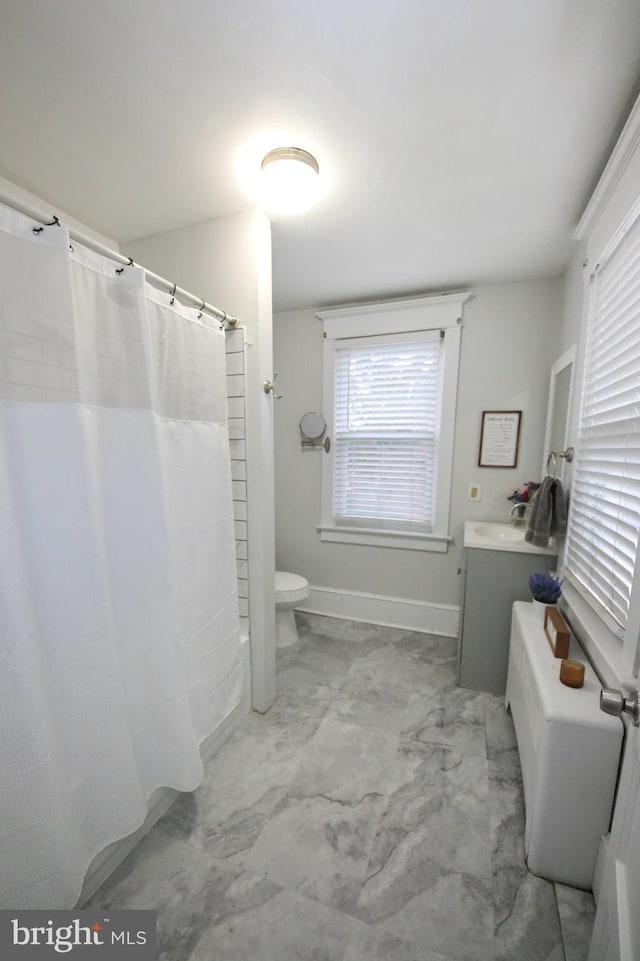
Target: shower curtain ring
(202, 306)
(173, 294)
(120, 270)
(54, 223)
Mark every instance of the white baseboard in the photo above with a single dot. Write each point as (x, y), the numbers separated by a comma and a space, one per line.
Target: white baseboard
(380, 609)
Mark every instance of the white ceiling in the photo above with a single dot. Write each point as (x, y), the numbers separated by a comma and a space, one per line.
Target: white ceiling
(459, 139)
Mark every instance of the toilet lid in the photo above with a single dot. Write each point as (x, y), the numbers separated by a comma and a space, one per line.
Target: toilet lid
(286, 582)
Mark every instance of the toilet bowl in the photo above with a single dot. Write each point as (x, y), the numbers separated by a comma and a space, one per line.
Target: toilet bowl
(291, 590)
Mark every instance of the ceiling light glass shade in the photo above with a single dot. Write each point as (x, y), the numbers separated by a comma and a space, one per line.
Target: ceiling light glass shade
(290, 180)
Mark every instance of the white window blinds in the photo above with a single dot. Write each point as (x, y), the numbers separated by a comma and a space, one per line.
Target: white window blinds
(387, 411)
(602, 540)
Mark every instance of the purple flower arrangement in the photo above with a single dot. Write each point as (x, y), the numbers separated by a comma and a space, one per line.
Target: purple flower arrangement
(545, 587)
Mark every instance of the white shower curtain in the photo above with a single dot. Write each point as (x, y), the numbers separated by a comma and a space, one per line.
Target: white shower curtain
(119, 636)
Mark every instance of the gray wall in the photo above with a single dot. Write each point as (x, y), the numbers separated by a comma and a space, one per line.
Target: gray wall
(574, 292)
(509, 342)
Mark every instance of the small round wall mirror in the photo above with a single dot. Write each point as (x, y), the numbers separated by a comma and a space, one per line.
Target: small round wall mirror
(312, 425)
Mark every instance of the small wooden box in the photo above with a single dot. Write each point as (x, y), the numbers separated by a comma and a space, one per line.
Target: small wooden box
(557, 632)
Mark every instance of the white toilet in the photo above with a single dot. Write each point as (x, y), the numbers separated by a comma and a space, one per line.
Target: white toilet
(291, 590)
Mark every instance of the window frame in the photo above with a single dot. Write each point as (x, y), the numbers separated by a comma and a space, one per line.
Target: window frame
(614, 202)
(594, 570)
(615, 657)
(415, 315)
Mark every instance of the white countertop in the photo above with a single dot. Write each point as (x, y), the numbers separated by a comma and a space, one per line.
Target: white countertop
(490, 536)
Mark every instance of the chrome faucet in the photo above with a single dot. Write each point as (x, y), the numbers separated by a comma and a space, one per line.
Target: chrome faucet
(523, 506)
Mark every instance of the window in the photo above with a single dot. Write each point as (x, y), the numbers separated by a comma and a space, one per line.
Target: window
(390, 389)
(385, 420)
(602, 539)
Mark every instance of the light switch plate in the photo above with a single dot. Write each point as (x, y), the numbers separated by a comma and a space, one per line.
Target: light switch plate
(473, 493)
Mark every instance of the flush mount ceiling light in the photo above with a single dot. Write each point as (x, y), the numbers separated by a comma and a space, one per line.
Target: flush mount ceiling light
(290, 180)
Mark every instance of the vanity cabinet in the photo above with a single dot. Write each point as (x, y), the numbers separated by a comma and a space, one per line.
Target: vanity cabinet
(491, 580)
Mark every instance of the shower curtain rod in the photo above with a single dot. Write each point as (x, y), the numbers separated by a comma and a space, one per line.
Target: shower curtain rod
(154, 279)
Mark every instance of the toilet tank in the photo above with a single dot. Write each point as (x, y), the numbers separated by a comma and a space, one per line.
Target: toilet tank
(569, 752)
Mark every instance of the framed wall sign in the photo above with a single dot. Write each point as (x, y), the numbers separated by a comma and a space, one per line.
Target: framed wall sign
(499, 438)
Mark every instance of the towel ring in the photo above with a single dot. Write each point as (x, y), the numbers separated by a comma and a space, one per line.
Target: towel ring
(553, 455)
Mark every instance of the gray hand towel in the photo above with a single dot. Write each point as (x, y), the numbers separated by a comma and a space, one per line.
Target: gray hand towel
(548, 517)
(559, 515)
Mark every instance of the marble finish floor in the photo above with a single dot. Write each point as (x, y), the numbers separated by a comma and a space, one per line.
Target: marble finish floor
(375, 812)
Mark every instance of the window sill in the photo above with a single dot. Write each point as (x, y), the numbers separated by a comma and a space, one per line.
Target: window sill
(402, 540)
(602, 647)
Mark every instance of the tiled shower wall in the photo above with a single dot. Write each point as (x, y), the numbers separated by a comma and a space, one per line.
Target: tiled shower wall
(234, 343)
